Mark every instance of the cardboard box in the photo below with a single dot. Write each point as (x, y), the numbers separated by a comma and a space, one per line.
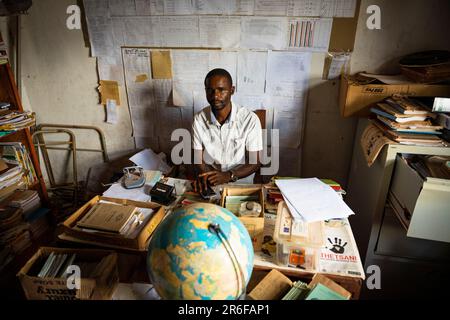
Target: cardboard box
(355, 97)
(110, 239)
(100, 288)
(254, 225)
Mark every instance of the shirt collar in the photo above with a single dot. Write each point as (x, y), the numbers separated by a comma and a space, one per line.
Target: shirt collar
(212, 118)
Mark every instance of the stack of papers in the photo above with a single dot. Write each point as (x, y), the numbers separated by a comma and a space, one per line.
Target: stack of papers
(312, 200)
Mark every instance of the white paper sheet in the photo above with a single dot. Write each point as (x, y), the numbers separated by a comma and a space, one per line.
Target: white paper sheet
(111, 111)
(149, 160)
(264, 33)
(96, 8)
(310, 34)
(338, 8)
(179, 31)
(270, 7)
(142, 31)
(242, 7)
(100, 36)
(293, 105)
(224, 59)
(189, 70)
(211, 6)
(136, 64)
(339, 64)
(251, 73)
(288, 74)
(122, 7)
(162, 91)
(118, 191)
(251, 102)
(313, 199)
(108, 69)
(304, 8)
(220, 32)
(178, 7)
(290, 128)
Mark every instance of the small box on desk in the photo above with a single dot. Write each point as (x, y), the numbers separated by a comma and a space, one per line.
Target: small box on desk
(254, 225)
(107, 239)
(98, 285)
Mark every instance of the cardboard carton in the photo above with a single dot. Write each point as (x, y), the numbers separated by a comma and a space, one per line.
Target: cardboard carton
(100, 288)
(112, 240)
(254, 225)
(356, 97)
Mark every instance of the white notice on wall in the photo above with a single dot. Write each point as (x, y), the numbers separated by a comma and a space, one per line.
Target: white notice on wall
(242, 7)
(211, 6)
(304, 8)
(338, 8)
(251, 72)
(180, 31)
(225, 60)
(100, 36)
(290, 128)
(264, 33)
(178, 7)
(189, 70)
(111, 111)
(142, 31)
(271, 8)
(122, 7)
(288, 74)
(310, 34)
(220, 32)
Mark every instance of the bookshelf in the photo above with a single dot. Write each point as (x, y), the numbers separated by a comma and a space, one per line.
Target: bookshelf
(8, 280)
(9, 93)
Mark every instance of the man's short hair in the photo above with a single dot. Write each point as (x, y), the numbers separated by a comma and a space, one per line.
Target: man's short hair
(219, 72)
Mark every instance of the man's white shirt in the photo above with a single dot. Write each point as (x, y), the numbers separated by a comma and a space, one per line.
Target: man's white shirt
(225, 144)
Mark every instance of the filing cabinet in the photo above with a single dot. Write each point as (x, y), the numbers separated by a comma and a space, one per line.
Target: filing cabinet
(401, 221)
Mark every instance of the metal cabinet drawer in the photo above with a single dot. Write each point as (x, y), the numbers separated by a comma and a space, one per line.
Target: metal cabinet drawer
(423, 204)
(392, 241)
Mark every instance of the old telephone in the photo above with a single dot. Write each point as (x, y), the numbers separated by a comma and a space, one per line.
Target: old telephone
(134, 177)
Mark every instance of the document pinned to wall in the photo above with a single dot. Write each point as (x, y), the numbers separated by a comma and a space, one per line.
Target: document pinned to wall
(270, 7)
(109, 69)
(220, 32)
(180, 31)
(111, 111)
(336, 63)
(242, 7)
(178, 7)
(310, 34)
(304, 8)
(338, 8)
(122, 7)
(290, 128)
(288, 73)
(109, 90)
(161, 64)
(142, 31)
(212, 6)
(189, 70)
(100, 35)
(251, 72)
(264, 33)
(225, 60)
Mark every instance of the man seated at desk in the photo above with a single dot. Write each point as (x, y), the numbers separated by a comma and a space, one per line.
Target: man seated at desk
(226, 137)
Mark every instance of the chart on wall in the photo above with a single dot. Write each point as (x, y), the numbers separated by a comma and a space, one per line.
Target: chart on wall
(161, 50)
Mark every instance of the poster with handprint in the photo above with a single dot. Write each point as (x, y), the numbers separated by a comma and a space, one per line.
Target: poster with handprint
(340, 255)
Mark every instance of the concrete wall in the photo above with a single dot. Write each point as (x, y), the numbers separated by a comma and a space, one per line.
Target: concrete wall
(59, 78)
(59, 82)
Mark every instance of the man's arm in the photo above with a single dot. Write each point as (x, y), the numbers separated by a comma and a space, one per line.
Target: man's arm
(241, 171)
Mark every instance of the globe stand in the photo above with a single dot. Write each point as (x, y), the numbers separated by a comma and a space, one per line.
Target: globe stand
(241, 288)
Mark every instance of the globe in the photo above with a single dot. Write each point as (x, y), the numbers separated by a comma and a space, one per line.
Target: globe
(200, 252)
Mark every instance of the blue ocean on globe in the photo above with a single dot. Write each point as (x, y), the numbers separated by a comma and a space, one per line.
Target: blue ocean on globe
(202, 251)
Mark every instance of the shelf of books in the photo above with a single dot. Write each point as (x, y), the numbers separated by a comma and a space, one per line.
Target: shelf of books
(24, 213)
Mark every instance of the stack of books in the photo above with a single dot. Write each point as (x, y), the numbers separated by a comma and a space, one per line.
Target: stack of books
(16, 154)
(407, 121)
(11, 178)
(12, 120)
(27, 200)
(14, 231)
(56, 265)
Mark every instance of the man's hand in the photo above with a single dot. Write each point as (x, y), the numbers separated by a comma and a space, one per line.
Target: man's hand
(201, 184)
(217, 177)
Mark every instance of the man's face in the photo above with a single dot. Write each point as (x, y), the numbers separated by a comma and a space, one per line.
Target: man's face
(218, 92)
